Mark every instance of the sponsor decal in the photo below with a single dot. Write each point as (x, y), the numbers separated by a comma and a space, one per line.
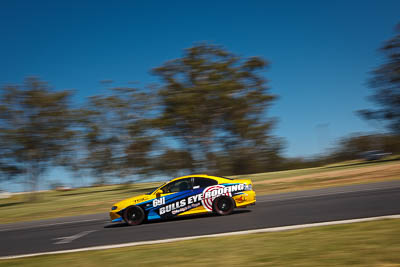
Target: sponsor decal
(173, 206)
(183, 209)
(212, 192)
(204, 198)
(139, 200)
(158, 202)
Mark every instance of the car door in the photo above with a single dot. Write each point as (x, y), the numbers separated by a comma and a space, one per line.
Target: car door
(172, 201)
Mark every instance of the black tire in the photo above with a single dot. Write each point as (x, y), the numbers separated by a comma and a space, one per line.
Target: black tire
(133, 215)
(223, 205)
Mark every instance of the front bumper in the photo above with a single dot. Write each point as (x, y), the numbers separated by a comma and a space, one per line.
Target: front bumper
(114, 216)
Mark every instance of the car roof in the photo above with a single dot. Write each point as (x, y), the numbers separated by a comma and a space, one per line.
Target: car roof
(201, 176)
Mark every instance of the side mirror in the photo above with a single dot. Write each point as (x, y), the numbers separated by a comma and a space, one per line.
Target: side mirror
(158, 193)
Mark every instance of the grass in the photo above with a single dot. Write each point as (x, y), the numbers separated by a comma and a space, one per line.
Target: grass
(354, 164)
(346, 173)
(359, 244)
(53, 204)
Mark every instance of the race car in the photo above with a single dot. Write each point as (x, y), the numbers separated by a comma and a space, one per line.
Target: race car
(186, 195)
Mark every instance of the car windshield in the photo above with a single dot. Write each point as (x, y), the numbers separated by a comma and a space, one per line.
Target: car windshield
(154, 189)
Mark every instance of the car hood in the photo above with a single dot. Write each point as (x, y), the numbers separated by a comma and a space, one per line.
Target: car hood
(132, 201)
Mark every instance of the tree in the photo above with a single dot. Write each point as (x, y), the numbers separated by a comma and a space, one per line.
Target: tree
(36, 129)
(116, 134)
(386, 85)
(213, 101)
(173, 162)
(245, 160)
(355, 145)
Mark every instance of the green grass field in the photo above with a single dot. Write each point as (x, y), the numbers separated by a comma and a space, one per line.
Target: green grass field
(346, 173)
(359, 244)
(348, 165)
(53, 204)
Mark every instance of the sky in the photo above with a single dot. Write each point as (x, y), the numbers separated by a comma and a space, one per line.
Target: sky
(321, 53)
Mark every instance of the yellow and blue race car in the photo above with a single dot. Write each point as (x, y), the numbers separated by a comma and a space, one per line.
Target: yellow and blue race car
(187, 195)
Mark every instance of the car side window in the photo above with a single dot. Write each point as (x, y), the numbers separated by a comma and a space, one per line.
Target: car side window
(200, 182)
(178, 186)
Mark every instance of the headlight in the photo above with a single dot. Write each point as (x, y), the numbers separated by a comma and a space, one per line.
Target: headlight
(114, 207)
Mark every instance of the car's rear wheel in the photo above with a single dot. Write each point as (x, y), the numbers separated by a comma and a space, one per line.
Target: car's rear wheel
(133, 215)
(223, 205)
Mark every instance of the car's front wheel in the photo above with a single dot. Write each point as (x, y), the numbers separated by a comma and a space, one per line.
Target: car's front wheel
(223, 205)
(133, 215)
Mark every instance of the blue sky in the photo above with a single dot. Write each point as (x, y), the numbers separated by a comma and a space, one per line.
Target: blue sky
(321, 52)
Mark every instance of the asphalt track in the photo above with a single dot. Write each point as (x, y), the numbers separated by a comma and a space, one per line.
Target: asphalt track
(313, 206)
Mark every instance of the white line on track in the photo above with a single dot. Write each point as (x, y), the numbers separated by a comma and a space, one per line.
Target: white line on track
(263, 230)
(69, 239)
(49, 224)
